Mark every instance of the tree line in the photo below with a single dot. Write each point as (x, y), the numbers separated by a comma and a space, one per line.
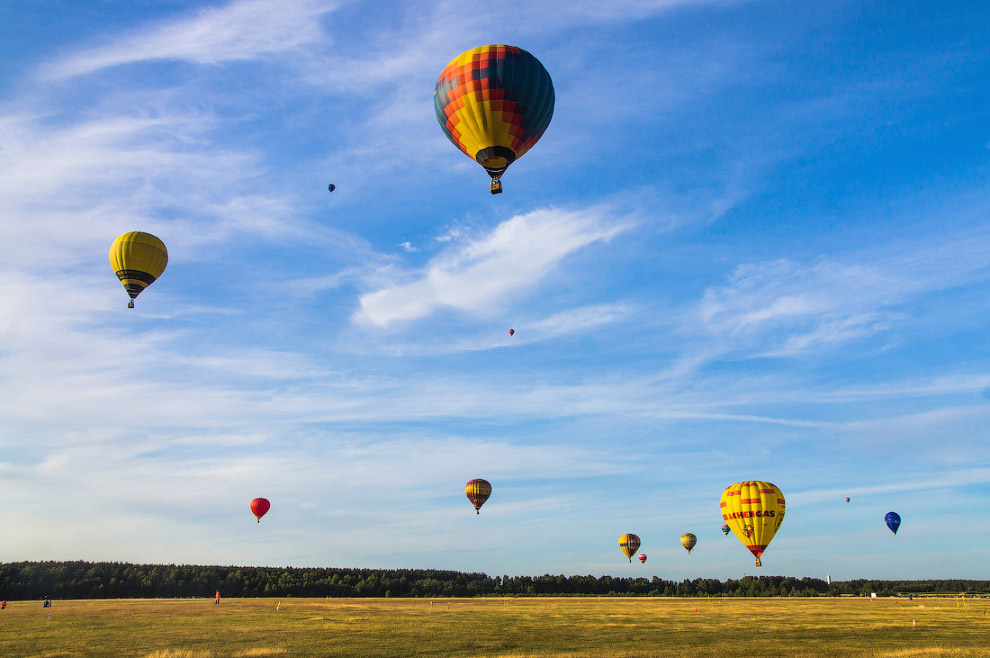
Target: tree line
(100, 580)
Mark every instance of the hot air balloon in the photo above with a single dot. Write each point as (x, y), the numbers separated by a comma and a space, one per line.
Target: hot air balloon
(893, 521)
(847, 499)
(478, 492)
(512, 332)
(753, 511)
(494, 103)
(260, 507)
(725, 528)
(629, 544)
(642, 558)
(331, 187)
(138, 259)
(688, 540)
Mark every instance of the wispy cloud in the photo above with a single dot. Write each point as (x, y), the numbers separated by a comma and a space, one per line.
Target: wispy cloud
(237, 31)
(482, 273)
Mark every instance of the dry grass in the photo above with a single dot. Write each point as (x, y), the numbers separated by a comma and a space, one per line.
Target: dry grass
(490, 628)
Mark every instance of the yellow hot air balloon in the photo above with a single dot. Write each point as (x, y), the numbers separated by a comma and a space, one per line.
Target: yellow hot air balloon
(478, 491)
(138, 259)
(629, 544)
(688, 540)
(494, 103)
(753, 511)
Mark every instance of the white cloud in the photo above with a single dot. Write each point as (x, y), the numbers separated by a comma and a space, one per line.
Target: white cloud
(236, 31)
(475, 276)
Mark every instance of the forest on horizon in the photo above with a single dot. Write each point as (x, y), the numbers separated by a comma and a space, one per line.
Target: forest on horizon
(103, 580)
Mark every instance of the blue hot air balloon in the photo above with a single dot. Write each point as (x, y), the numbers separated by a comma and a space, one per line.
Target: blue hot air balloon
(893, 520)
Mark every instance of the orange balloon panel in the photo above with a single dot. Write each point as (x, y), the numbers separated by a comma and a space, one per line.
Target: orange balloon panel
(753, 510)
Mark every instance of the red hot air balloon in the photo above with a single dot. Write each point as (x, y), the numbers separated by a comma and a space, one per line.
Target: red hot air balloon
(260, 507)
(847, 499)
(512, 332)
(642, 558)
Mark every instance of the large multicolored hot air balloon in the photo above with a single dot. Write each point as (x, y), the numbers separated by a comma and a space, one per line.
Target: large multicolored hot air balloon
(688, 540)
(138, 259)
(629, 544)
(893, 521)
(753, 511)
(494, 103)
(260, 507)
(642, 558)
(478, 492)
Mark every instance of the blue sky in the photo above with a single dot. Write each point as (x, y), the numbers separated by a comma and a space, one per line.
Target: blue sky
(752, 244)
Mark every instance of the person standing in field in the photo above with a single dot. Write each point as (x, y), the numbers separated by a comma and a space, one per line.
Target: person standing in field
(3, 605)
(217, 602)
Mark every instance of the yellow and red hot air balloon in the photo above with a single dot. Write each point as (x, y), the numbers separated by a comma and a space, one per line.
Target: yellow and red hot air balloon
(260, 507)
(494, 103)
(629, 544)
(754, 511)
(688, 540)
(478, 492)
(138, 259)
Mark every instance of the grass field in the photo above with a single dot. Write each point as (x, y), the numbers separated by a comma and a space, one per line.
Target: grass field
(616, 628)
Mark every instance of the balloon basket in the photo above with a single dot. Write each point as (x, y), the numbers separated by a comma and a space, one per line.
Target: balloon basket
(496, 186)
(130, 304)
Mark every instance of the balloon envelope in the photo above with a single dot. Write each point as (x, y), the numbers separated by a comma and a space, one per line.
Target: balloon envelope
(725, 529)
(494, 103)
(642, 558)
(331, 187)
(512, 332)
(260, 507)
(893, 521)
(688, 540)
(138, 259)
(753, 510)
(629, 544)
(847, 499)
(478, 492)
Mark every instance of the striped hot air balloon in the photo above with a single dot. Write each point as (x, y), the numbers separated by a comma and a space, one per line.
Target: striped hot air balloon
(494, 103)
(138, 259)
(642, 558)
(478, 492)
(688, 540)
(754, 511)
(629, 544)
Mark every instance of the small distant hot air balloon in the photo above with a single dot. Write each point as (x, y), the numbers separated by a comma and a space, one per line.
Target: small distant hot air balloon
(847, 499)
(137, 259)
(331, 187)
(725, 529)
(688, 540)
(512, 332)
(629, 544)
(893, 521)
(494, 103)
(260, 507)
(753, 510)
(642, 558)
(478, 492)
